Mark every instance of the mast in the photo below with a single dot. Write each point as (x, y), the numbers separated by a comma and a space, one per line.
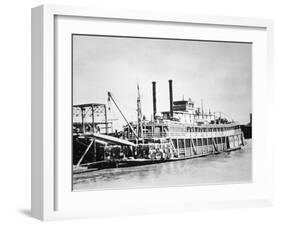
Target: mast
(140, 131)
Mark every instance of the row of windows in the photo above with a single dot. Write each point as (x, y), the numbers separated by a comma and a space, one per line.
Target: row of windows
(192, 129)
(197, 142)
(200, 130)
(158, 129)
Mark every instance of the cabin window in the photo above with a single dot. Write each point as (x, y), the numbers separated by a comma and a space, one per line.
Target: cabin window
(223, 139)
(199, 142)
(219, 140)
(165, 130)
(187, 143)
(149, 130)
(181, 143)
(209, 141)
(205, 141)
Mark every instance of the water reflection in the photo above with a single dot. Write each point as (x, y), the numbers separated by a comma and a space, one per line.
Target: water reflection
(233, 167)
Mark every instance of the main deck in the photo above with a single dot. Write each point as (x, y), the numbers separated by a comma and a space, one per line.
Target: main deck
(175, 140)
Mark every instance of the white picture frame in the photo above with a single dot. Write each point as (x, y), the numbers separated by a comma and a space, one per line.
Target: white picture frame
(50, 196)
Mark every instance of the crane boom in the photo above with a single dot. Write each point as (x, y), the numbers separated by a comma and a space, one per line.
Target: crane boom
(110, 97)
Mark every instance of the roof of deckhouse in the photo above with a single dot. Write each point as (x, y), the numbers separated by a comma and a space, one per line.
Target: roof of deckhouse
(182, 102)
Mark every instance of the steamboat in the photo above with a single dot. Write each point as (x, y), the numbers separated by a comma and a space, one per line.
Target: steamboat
(183, 132)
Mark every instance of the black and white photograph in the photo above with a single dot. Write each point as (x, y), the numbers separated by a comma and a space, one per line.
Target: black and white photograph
(159, 112)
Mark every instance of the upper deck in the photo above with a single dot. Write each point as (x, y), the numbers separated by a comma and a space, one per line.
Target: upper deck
(173, 129)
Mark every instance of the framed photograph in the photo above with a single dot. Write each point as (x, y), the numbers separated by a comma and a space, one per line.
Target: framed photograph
(137, 112)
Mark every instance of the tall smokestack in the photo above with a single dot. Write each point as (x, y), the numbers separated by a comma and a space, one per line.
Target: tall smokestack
(154, 99)
(171, 97)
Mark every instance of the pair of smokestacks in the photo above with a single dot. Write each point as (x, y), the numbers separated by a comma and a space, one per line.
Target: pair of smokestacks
(154, 98)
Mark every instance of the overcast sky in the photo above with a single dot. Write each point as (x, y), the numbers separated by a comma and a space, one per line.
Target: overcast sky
(217, 72)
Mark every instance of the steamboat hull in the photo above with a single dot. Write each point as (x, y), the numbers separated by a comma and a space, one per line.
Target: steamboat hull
(136, 162)
(107, 164)
(162, 141)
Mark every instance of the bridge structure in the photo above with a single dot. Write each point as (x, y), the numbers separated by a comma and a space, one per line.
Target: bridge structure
(91, 117)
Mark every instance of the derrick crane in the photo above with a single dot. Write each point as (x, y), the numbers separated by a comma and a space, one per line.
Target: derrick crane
(110, 97)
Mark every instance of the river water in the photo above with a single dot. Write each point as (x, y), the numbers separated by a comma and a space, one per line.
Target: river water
(224, 168)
